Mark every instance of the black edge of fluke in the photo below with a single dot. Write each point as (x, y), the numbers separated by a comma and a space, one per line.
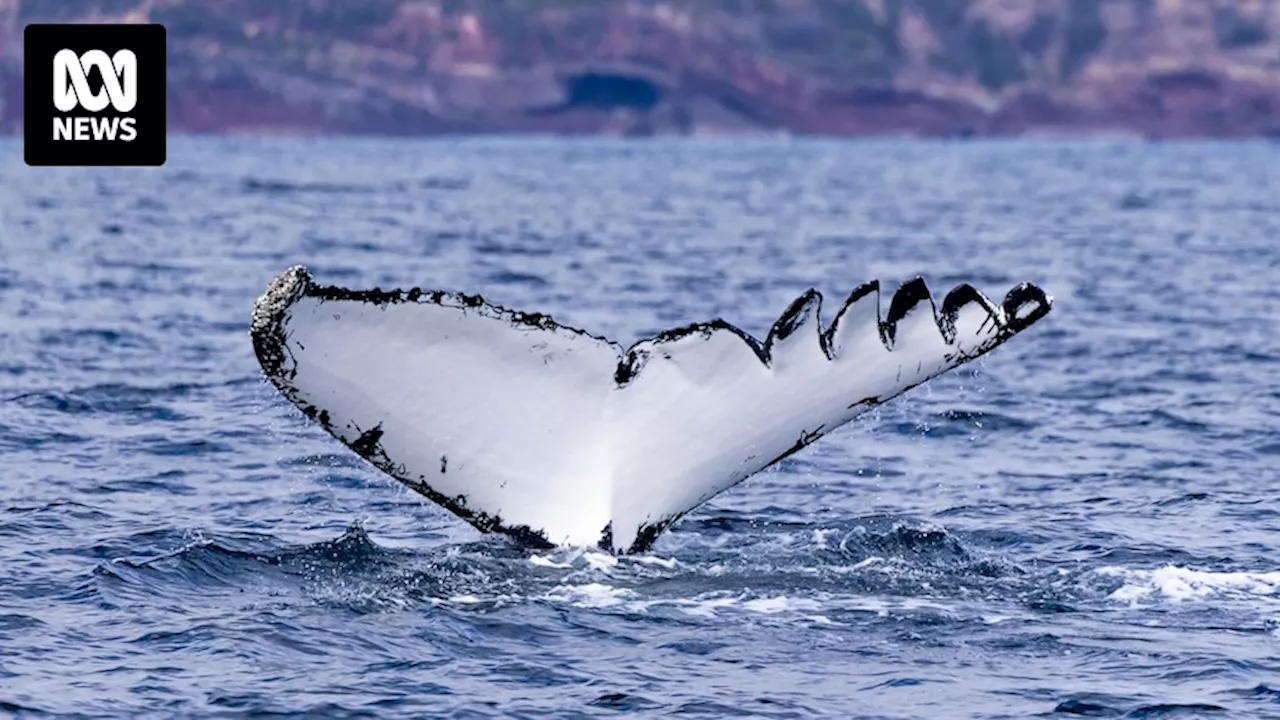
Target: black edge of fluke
(267, 326)
(296, 283)
(1022, 306)
(960, 296)
(908, 296)
(1017, 300)
(637, 355)
(858, 293)
(648, 534)
(801, 310)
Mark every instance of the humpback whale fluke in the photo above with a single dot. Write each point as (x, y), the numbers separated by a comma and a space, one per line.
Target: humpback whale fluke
(524, 426)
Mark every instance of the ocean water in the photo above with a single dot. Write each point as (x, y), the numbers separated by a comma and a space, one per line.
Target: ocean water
(1082, 523)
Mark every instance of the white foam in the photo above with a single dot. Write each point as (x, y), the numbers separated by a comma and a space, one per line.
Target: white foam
(602, 562)
(546, 561)
(668, 563)
(706, 608)
(866, 563)
(591, 595)
(780, 608)
(781, 603)
(1180, 584)
(820, 537)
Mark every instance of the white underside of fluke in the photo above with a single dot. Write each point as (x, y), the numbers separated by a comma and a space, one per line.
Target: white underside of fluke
(524, 426)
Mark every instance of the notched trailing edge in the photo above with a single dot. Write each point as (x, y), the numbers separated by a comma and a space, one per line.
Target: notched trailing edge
(905, 299)
(636, 357)
(270, 346)
(908, 296)
(808, 305)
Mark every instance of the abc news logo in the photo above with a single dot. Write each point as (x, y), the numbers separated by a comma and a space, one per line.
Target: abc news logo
(107, 105)
(71, 90)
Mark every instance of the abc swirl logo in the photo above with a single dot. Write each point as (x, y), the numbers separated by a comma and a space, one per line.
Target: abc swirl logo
(71, 90)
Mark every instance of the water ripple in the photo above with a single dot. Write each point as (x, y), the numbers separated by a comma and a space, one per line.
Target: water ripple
(1080, 524)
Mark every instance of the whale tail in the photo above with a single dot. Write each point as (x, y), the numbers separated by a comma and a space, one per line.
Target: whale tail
(518, 424)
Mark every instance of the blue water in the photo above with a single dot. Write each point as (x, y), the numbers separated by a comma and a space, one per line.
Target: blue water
(1084, 522)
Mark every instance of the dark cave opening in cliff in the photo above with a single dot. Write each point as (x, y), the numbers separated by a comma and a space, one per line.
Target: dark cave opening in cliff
(607, 91)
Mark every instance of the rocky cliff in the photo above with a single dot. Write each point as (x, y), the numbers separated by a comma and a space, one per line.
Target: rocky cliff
(1154, 68)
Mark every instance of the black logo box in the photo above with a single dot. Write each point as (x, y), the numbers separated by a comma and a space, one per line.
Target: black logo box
(42, 42)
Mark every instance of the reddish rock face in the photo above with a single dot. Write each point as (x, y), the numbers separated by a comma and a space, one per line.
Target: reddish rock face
(1154, 68)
